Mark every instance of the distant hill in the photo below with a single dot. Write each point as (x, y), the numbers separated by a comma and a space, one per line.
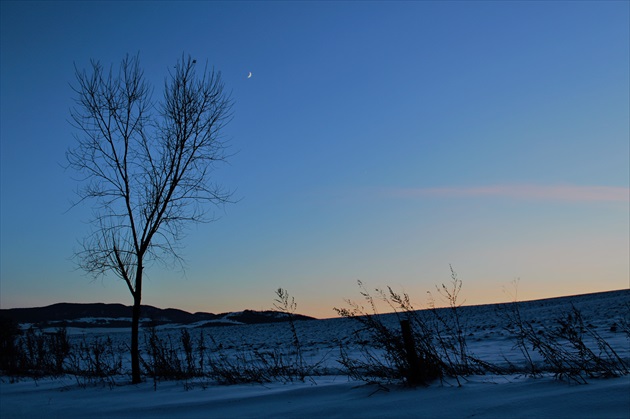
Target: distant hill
(119, 315)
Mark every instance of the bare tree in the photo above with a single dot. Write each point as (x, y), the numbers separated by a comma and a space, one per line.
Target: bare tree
(145, 166)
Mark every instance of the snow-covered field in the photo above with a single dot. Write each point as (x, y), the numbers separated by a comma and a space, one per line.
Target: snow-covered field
(333, 394)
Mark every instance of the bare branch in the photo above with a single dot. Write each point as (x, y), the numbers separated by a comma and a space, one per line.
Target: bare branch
(146, 167)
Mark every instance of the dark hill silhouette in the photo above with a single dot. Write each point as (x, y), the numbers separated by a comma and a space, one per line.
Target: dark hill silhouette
(119, 315)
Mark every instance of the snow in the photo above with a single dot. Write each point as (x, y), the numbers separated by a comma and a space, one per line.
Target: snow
(331, 397)
(334, 395)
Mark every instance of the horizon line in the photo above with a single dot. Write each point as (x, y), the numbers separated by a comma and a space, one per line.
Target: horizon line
(324, 318)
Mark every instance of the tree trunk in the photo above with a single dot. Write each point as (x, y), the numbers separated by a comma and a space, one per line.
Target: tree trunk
(135, 328)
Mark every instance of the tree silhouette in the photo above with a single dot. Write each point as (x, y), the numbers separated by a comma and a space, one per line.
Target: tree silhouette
(145, 167)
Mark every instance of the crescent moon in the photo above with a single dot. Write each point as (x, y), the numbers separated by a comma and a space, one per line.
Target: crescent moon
(249, 76)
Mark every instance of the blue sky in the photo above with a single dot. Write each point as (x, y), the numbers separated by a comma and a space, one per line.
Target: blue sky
(378, 141)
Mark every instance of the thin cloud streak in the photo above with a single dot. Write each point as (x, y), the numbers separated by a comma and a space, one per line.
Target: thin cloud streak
(565, 193)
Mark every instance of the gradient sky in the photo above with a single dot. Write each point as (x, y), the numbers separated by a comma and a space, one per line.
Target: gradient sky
(378, 141)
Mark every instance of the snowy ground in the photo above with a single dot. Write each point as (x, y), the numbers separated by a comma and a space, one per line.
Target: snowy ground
(334, 395)
(482, 397)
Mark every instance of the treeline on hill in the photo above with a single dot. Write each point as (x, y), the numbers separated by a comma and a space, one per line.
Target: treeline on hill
(425, 346)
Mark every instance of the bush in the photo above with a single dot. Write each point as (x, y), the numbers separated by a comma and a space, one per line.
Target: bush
(262, 366)
(565, 348)
(43, 354)
(449, 330)
(429, 345)
(96, 361)
(9, 348)
(385, 355)
(166, 359)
